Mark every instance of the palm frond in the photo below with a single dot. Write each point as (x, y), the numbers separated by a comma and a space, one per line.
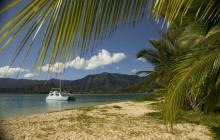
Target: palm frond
(147, 72)
(63, 21)
(199, 35)
(100, 17)
(10, 5)
(190, 74)
(170, 9)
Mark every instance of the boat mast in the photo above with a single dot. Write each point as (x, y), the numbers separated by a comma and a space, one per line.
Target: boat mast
(60, 82)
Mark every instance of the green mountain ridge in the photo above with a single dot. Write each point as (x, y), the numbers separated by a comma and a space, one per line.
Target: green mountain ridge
(103, 81)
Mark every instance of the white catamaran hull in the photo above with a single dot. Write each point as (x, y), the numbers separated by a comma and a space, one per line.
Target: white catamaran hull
(65, 98)
(56, 95)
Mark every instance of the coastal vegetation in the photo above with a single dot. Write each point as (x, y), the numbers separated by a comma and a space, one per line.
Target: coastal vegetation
(189, 116)
(186, 59)
(145, 99)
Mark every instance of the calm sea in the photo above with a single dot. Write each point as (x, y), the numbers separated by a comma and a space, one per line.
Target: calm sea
(14, 105)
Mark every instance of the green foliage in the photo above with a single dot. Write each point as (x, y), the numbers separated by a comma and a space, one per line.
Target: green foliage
(147, 98)
(212, 121)
(196, 70)
(191, 78)
(65, 20)
(187, 58)
(145, 86)
(162, 55)
(87, 109)
(173, 9)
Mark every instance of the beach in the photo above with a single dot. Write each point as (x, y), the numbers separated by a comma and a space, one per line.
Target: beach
(121, 120)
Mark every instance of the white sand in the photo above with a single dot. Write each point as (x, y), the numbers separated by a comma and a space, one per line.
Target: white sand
(100, 122)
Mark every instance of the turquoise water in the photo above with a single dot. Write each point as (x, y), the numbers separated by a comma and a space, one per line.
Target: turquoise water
(14, 105)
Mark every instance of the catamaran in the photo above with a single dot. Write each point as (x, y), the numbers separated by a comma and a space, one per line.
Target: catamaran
(57, 94)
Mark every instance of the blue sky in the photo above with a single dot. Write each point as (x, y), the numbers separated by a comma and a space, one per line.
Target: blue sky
(116, 54)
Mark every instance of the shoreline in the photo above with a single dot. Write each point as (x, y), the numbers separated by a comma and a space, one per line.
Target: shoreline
(118, 120)
(15, 117)
(76, 93)
(36, 103)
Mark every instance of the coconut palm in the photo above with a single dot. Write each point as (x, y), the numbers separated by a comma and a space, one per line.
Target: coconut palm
(160, 58)
(197, 71)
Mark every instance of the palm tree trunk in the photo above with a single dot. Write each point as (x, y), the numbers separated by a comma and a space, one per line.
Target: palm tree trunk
(191, 101)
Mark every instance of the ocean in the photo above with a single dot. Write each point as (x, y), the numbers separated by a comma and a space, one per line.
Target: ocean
(14, 105)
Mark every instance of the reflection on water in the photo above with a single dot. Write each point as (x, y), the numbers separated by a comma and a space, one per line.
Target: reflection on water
(51, 102)
(56, 105)
(13, 105)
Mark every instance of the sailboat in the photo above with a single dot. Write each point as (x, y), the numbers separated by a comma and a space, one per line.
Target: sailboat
(57, 94)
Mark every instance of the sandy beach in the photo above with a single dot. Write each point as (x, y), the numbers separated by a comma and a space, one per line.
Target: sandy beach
(122, 120)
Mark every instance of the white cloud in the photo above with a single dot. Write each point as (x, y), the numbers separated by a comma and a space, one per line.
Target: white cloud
(142, 59)
(56, 67)
(29, 75)
(102, 59)
(97, 61)
(117, 68)
(11, 71)
(134, 70)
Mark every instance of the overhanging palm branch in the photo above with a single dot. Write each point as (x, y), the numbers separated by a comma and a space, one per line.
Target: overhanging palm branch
(191, 73)
(148, 72)
(90, 20)
(170, 9)
(200, 35)
(196, 69)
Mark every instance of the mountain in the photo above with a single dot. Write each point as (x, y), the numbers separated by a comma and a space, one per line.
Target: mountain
(106, 81)
(17, 83)
(103, 81)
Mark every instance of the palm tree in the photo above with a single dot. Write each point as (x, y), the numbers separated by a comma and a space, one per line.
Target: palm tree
(160, 58)
(197, 71)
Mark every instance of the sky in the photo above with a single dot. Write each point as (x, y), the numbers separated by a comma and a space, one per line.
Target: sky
(116, 54)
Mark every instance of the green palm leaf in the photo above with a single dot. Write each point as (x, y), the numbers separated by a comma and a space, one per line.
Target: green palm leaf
(63, 26)
(101, 23)
(190, 74)
(10, 5)
(169, 9)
